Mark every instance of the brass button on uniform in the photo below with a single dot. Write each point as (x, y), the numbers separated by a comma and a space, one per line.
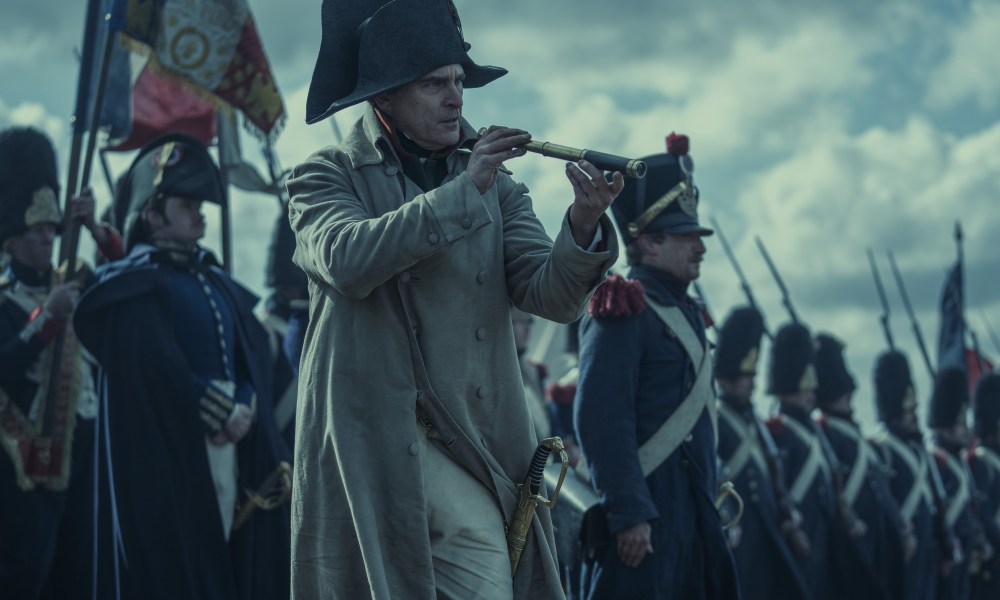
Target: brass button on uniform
(480, 334)
(689, 438)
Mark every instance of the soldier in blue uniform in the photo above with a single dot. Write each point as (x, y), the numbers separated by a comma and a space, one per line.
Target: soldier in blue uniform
(984, 462)
(644, 363)
(767, 538)
(950, 438)
(46, 437)
(833, 569)
(887, 542)
(902, 450)
(187, 440)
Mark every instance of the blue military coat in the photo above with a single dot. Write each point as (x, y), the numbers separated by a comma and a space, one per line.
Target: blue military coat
(766, 566)
(958, 514)
(633, 375)
(984, 462)
(867, 491)
(907, 464)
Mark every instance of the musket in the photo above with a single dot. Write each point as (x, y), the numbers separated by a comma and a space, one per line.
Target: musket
(948, 546)
(786, 300)
(909, 311)
(789, 518)
(530, 496)
(608, 162)
(744, 284)
(884, 318)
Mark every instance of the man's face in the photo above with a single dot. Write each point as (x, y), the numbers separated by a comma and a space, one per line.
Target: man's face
(181, 221)
(33, 248)
(429, 110)
(678, 254)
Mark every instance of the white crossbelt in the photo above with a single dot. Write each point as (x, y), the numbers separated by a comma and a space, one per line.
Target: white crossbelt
(992, 461)
(916, 462)
(865, 458)
(962, 496)
(815, 462)
(749, 445)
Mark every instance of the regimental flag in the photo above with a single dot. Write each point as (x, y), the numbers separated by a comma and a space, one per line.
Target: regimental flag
(951, 335)
(212, 46)
(159, 105)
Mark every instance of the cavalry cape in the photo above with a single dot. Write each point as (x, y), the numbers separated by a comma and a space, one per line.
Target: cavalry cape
(409, 303)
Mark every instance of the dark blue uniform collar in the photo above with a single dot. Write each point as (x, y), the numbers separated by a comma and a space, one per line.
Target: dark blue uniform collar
(662, 287)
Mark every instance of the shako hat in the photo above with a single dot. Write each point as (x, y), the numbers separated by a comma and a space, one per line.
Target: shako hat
(372, 47)
(29, 181)
(738, 349)
(666, 199)
(894, 393)
(791, 369)
(832, 377)
(173, 165)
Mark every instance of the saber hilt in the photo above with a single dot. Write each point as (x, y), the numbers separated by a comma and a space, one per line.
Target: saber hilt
(530, 497)
(630, 167)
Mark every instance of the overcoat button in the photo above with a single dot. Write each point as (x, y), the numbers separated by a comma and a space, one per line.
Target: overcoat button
(433, 238)
(480, 334)
(481, 277)
(481, 392)
(414, 449)
(405, 277)
(391, 170)
(466, 223)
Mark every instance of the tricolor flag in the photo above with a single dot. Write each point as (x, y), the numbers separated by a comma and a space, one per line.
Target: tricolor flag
(211, 46)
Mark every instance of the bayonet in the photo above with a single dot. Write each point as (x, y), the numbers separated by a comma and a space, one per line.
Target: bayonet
(909, 311)
(786, 300)
(884, 318)
(744, 285)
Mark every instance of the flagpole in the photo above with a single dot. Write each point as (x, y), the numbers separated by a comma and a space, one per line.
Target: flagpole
(79, 114)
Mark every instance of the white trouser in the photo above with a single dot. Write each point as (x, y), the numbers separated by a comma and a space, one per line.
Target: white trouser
(468, 545)
(222, 463)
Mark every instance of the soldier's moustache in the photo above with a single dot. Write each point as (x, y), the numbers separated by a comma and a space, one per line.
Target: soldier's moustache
(606, 162)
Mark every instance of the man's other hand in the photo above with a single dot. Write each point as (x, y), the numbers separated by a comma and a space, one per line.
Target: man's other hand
(634, 544)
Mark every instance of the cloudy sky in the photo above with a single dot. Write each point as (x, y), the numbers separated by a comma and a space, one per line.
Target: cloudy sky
(824, 128)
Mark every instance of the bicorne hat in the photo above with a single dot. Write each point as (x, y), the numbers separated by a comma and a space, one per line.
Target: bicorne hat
(792, 354)
(739, 343)
(894, 393)
(666, 199)
(29, 181)
(371, 47)
(832, 377)
(173, 165)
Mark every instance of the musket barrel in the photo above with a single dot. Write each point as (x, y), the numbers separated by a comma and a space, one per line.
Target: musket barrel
(630, 167)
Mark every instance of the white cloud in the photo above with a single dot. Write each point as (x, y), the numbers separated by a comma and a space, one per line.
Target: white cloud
(969, 73)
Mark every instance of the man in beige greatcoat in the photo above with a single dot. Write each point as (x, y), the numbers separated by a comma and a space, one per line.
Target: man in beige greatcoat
(413, 431)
